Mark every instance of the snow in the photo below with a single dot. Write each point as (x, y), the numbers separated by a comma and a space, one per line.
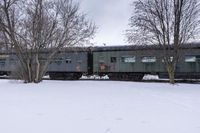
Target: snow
(99, 107)
(151, 77)
(95, 77)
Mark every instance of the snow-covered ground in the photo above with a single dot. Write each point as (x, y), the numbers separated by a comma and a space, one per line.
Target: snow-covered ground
(99, 107)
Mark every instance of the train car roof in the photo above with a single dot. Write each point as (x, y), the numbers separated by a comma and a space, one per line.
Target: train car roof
(141, 47)
(114, 48)
(67, 49)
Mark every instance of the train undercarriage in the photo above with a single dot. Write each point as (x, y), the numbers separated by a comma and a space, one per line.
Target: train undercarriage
(120, 76)
(65, 75)
(126, 76)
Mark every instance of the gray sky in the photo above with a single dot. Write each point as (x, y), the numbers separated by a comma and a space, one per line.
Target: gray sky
(111, 16)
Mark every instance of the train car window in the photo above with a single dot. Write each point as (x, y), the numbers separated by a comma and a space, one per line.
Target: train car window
(198, 58)
(2, 61)
(171, 59)
(3, 56)
(113, 59)
(190, 58)
(68, 61)
(128, 59)
(149, 59)
(58, 62)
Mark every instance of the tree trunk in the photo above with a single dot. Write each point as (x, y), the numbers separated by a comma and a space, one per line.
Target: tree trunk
(28, 75)
(37, 71)
(171, 73)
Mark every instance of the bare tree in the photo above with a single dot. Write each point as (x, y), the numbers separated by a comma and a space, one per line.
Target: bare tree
(168, 23)
(38, 29)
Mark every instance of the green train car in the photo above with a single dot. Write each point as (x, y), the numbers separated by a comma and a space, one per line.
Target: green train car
(133, 62)
(118, 62)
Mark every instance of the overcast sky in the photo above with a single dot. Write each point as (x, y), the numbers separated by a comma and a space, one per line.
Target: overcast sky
(111, 17)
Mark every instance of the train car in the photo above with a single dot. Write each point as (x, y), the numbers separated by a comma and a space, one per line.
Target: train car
(70, 64)
(7, 62)
(4, 63)
(118, 62)
(133, 62)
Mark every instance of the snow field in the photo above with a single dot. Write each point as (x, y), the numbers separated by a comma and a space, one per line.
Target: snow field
(99, 107)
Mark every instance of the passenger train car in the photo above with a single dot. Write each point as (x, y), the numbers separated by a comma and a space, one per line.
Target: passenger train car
(118, 62)
(133, 62)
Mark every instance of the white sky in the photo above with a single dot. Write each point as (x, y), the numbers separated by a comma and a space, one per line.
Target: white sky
(111, 17)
